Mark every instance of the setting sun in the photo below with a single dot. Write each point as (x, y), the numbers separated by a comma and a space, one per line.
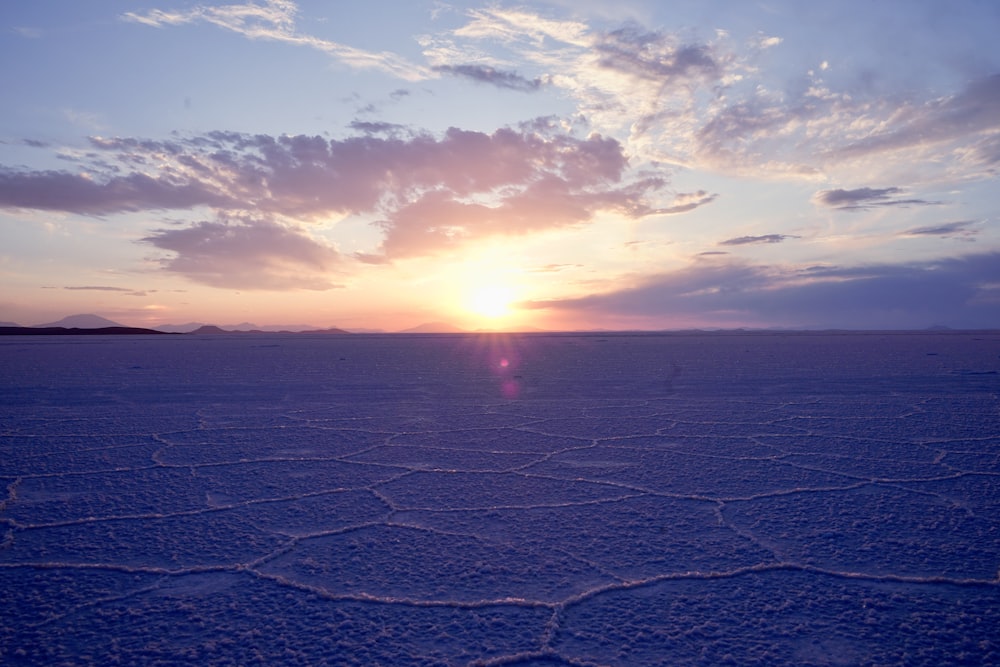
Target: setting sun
(491, 302)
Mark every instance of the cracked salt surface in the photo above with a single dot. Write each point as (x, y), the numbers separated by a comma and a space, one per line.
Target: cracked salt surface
(706, 499)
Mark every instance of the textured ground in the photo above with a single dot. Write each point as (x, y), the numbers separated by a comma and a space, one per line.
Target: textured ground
(806, 499)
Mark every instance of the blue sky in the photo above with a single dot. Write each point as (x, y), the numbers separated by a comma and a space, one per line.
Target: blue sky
(544, 164)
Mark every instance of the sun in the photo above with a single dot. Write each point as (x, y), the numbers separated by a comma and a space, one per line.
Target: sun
(492, 301)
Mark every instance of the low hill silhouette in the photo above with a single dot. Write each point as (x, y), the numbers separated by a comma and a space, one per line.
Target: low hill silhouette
(83, 321)
(211, 330)
(80, 331)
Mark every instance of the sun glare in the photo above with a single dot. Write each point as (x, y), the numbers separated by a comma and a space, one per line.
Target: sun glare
(492, 302)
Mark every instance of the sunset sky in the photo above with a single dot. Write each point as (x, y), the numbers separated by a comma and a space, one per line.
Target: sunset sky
(552, 164)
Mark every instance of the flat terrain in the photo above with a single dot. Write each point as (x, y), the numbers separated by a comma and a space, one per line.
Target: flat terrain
(549, 499)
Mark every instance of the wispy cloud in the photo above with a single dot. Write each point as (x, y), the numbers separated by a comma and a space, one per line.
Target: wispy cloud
(962, 229)
(636, 52)
(713, 104)
(376, 127)
(685, 202)
(757, 240)
(29, 33)
(702, 103)
(971, 111)
(554, 268)
(275, 21)
(89, 120)
(866, 198)
(492, 76)
(105, 288)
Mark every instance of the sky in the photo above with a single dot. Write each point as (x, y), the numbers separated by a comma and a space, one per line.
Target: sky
(552, 164)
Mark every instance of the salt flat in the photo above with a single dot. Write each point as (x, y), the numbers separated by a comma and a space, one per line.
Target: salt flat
(542, 499)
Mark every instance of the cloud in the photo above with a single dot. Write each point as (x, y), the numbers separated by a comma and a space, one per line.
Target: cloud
(376, 127)
(439, 221)
(971, 111)
(429, 193)
(654, 55)
(275, 21)
(961, 229)
(754, 240)
(716, 291)
(29, 33)
(492, 76)
(862, 199)
(554, 268)
(687, 201)
(985, 152)
(516, 26)
(82, 193)
(698, 103)
(821, 130)
(247, 254)
(621, 78)
(103, 288)
(720, 105)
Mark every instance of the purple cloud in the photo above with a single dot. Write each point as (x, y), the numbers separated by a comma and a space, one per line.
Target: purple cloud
(508, 182)
(375, 127)
(78, 193)
(973, 110)
(654, 55)
(492, 76)
(754, 240)
(306, 176)
(688, 201)
(247, 254)
(439, 221)
(716, 291)
(428, 194)
(986, 152)
(862, 199)
(961, 229)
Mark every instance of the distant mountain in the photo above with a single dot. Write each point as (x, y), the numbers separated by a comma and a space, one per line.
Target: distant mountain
(434, 327)
(78, 331)
(210, 329)
(9, 324)
(274, 328)
(246, 327)
(85, 321)
(180, 328)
